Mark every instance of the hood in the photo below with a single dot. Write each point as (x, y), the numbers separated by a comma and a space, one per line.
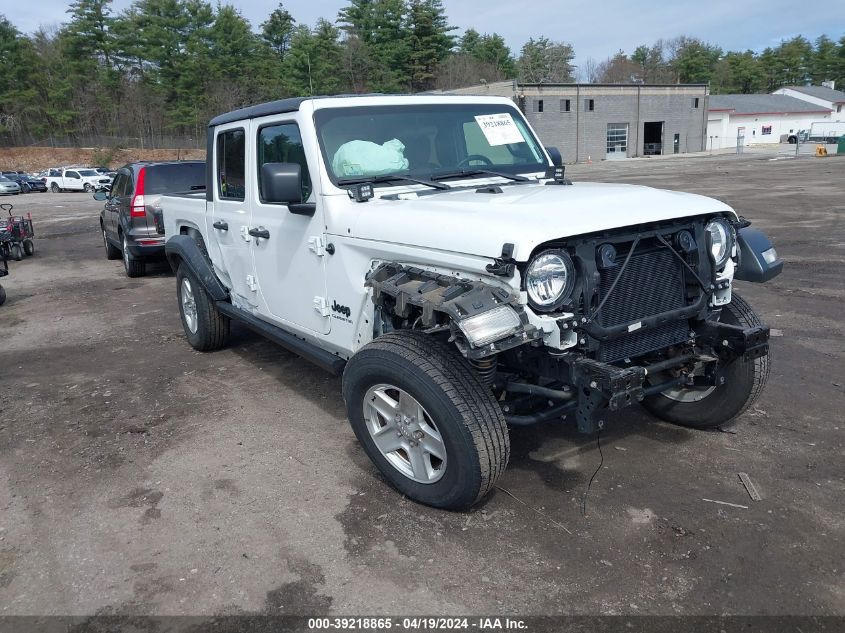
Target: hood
(525, 215)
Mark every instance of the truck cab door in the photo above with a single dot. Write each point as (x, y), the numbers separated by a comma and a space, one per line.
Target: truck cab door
(228, 223)
(289, 262)
(72, 180)
(113, 203)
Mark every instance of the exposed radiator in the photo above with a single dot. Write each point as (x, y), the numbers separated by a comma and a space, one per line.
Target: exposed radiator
(652, 283)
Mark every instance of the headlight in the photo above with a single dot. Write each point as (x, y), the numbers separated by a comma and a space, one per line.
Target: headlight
(490, 326)
(721, 241)
(549, 279)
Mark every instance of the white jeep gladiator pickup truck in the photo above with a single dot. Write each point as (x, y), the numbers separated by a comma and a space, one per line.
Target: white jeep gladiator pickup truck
(430, 249)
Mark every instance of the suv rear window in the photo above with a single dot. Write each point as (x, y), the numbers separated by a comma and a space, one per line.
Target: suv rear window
(174, 177)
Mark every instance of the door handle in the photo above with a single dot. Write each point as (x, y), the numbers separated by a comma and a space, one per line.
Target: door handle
(260, 232)
(221, 226)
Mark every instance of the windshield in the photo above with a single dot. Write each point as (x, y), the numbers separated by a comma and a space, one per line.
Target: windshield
(88, 172)
(425, 140)
(4, 179)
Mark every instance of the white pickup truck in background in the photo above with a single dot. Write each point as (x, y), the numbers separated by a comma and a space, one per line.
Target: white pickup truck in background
(431, 250)
(76, 179)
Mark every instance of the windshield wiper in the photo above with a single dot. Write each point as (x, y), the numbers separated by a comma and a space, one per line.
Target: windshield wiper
(478, 172)
(392, 178)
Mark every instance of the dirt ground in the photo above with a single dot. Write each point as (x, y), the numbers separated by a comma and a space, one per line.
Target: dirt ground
(38, 158)
(140, 477)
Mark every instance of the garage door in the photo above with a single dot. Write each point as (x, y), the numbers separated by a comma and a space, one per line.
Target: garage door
(617, 140)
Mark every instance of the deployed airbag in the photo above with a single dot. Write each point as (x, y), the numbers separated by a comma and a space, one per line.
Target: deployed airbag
(365, 158)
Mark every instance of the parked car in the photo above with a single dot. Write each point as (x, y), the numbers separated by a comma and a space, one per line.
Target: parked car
(76, 179)
(433, 252)
(32, 184)
(8, 186)
(131, 220)
(27, 183)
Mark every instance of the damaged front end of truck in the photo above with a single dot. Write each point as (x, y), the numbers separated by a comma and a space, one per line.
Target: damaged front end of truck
(601, 321)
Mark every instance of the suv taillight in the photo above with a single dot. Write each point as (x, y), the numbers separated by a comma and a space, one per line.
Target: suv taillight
(138, 209)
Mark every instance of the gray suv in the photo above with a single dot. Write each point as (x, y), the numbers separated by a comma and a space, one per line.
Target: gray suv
(131, 220)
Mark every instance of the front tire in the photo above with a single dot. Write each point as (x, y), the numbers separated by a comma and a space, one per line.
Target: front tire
(88, 188)
(17, 252)
(426, 420)
(705, 408)
(134, 267)
(205, 327)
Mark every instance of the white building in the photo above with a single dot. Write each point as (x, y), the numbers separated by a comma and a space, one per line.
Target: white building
(823, 96)
(759, 118)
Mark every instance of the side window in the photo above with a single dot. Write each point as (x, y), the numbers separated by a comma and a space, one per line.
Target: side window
(128, 184)
(231, 164)
(117, 186)
(282, 143)
(72, 174)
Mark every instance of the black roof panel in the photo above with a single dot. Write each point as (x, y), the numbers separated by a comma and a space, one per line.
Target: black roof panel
(262, 109)
(285, 105)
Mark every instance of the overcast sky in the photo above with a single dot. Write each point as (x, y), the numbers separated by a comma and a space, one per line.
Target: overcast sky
(596, 28)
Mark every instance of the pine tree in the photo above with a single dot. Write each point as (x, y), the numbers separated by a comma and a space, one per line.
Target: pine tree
(278, 30)
(544, 61)
(429, 40)
(381, 33)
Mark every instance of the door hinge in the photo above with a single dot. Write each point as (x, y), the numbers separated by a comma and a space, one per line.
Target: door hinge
(251, 283)
(317, 244)
(321, 305)
(245, 233)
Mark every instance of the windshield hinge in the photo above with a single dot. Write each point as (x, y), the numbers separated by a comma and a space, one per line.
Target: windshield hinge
(504, 265)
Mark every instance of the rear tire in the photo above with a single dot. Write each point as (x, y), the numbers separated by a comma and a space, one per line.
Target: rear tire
(2, 295)
(112, 251)
(134, 267)
(55, 188)
(29, 247)
(708, 408)
(17, 252)
(454, 413)
(205, 327)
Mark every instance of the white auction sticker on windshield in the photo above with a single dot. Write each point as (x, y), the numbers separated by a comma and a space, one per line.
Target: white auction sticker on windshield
(499, 129)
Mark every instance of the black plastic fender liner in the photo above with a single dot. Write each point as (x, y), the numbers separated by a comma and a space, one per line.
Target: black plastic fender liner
(184, 249)
(752, 243)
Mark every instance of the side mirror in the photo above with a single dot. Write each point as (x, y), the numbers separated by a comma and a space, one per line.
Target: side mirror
(101, 195)
(281, 183)
(554, 154)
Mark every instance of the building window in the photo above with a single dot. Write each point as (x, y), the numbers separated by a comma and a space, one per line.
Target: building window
(695, 102)
(589, 105)
(565, 105)
(538, 105)
(767, 129)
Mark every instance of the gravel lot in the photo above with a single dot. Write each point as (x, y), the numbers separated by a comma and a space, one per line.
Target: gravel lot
(140, 477)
